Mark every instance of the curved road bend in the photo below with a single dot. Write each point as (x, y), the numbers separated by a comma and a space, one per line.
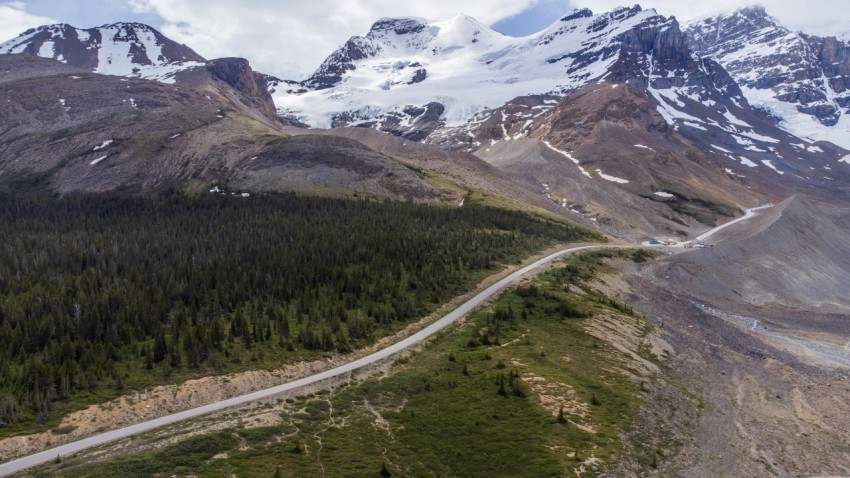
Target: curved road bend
(25, 462)
(749, 213)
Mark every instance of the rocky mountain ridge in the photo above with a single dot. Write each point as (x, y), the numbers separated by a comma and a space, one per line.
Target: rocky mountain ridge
(66, 130)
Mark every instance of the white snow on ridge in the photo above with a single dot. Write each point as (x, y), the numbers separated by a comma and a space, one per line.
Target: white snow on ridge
(114, 55)
(98, 160)
(47, 49)
(694, 125)
(666, 99)
(734, 119)
(664, 194)
(760, 137)
(643, 147)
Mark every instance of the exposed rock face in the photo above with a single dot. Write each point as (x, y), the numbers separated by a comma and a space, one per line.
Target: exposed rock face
(339, 63)
(801, 79)
(604, 152)
(125, 49)
(237, 73)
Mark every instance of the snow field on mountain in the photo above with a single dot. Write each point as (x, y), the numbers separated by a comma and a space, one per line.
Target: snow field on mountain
(469, 67)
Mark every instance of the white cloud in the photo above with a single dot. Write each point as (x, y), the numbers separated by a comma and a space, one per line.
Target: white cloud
(811, 16)
(15, 20)
(290, 39)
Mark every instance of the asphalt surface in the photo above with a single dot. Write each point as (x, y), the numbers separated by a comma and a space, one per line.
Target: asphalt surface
(29, 461)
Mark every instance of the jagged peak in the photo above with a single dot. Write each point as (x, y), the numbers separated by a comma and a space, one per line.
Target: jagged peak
(54, 27)
(755, 13)
(595, 22)
(400, 26)
(625, 12)
(576, 14)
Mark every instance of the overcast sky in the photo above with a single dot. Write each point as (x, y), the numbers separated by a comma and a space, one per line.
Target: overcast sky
(290, 38)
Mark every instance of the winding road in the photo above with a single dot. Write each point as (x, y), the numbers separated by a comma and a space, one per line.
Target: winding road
(749, 213)
(29, 461)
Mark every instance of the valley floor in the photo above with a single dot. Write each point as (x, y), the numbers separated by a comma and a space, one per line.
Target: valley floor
(766, 409)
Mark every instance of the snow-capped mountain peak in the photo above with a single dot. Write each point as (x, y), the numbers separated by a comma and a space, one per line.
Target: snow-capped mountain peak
(459, 64)
(123, 49)
(802, 80)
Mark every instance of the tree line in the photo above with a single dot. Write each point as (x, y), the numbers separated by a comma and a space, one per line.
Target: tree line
(99, 290)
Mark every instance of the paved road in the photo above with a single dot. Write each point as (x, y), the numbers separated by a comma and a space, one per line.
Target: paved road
(23, 463)
(750, 213)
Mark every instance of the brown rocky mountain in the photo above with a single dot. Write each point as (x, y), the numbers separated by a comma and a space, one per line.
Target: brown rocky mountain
(65, 129)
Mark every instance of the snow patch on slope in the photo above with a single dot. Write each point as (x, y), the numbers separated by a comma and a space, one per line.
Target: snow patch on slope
(570, 157)
(613, 179)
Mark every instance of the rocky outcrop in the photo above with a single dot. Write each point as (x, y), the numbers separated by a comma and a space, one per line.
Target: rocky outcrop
(237, 73)
(339, 63)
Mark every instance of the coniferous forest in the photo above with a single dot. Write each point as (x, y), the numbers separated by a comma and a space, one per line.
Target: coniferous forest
(100, 293)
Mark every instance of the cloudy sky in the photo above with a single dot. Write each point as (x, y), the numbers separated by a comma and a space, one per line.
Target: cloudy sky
(290, 38)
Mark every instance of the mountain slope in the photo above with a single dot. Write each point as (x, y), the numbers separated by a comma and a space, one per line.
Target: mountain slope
(803, 80)
(65, 129)
(795, 256)
(605, 153)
